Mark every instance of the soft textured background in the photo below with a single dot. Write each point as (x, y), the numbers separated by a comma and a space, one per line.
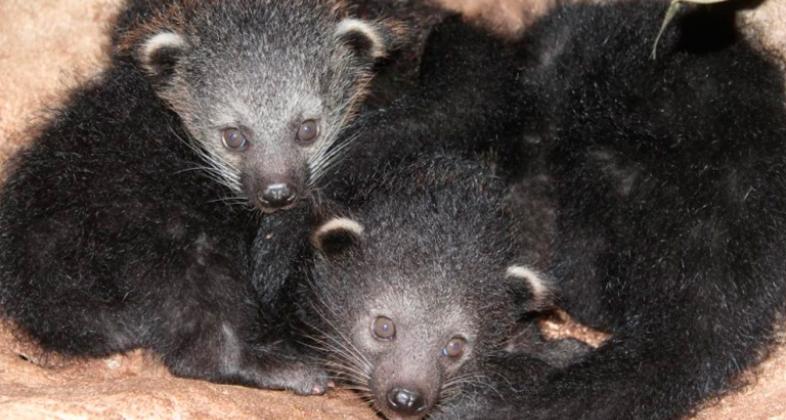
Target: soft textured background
(47, 46)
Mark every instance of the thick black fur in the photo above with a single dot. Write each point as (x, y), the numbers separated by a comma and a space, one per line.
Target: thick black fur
(671, 191)
(398, 73)
(672, 195)
(438, 237)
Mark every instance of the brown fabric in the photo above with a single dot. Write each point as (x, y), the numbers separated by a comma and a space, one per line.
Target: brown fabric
(47, 46)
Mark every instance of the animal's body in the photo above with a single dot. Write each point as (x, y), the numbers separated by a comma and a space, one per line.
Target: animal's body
(417, 293)
(670, 191)
(126, 222)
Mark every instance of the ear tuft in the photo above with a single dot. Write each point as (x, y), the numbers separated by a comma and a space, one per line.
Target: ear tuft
(337, 235)
(539, 286)
(159, 53)
(364, 37)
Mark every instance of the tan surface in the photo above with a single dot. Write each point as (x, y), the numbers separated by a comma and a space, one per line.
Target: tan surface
(137, 386)
(45, 47)
(48, 45)
(767, 23)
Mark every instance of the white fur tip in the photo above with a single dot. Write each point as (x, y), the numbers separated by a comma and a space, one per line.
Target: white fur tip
(537, 282)
(161, 40)
(360, 26)
(338, 224)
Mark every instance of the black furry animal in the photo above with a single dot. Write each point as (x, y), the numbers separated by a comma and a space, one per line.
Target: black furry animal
(124, 224)
(417, 294)
(670, 191)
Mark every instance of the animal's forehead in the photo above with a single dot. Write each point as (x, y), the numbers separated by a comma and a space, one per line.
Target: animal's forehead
(436, 297)
(256, 89)
(240, 55)
(445, 262)
(267, 27)
(441, 290)
(260, 66)
(238, 106)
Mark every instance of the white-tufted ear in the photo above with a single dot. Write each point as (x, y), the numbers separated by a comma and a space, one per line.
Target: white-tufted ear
(364, 37)
(160, 52)
(336, 235)
(540, 288)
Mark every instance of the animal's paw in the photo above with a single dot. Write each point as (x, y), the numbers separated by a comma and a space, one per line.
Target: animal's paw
(305, 379)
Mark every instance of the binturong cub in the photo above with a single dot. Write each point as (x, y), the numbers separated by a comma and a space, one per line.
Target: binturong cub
(415, 296)
(670, 192)
(126, 222)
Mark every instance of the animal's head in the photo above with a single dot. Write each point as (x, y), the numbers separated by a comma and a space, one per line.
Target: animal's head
(407, 312)
(262, 86)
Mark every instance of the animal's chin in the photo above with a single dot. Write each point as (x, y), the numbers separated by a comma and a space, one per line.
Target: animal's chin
(389, 415)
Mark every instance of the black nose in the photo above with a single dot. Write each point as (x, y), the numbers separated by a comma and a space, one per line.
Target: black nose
(277, 195)
(405, 401)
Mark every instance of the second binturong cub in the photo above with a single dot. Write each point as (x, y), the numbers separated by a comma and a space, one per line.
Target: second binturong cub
(414, 297)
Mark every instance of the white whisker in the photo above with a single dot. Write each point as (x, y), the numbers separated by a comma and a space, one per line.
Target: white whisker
(218, 168)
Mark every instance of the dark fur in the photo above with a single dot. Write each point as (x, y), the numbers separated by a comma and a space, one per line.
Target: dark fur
(670, 192)
(398, 73)
(672, 196)
(113, 237)
(438, 237)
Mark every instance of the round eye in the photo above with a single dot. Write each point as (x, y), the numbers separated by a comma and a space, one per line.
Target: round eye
(234, 139)
(455, 347)
(384, 328)
(308, 131)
